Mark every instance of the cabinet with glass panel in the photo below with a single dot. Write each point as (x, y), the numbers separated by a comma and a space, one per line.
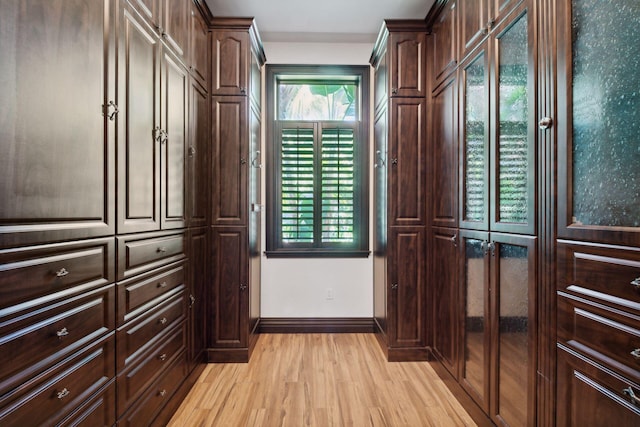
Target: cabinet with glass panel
(497, 223)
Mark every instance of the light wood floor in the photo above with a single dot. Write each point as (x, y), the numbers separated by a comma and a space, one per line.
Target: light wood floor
(320, 380)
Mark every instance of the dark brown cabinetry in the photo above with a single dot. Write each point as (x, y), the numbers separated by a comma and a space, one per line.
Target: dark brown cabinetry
(444, 38)
(236, 170)
(400, 189)
(200, 48)
(169, 19)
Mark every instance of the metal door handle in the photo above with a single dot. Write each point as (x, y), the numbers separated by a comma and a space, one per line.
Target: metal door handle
(62, 272)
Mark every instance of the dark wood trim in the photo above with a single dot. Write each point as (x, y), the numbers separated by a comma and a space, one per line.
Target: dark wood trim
(227, 355)
(409, 354)
(297, 325)
(461, 396)
(434, 14)
(172, 406)
(204, 9)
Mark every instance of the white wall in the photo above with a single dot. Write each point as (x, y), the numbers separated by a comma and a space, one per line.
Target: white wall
(298, 287)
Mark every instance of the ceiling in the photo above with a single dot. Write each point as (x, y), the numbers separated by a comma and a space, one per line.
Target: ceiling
(328, 21)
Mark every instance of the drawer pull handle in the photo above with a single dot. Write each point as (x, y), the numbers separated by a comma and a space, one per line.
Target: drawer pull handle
(192, 300)
(62, 333)
(162, 393)
(63, 393)
(635, 400)
(162, 249)
(636, 283)
(163, 357)
(162, 284)
(63, 272)
(636, 353)
(394, 286)
(163, 321)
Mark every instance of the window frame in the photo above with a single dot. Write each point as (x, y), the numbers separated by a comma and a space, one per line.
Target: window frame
(276, 248)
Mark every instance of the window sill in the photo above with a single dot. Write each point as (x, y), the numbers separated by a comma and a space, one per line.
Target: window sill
(316, 253)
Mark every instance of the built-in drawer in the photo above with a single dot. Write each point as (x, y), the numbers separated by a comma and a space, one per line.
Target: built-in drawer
(29, 273)
(154, 398)
(591, 395)
(137, 377)
(611, 338)
(137, 335)
(604, 273)
(137, 295)
(34, 339)
(57, 393)
(143, 252)
(98, 411)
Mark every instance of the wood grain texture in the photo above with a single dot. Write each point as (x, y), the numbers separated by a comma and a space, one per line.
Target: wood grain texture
(320, 380)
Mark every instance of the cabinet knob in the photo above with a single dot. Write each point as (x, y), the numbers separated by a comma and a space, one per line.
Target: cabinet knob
(394, 90)
(192, 151)
(243, 287)
(636, 283)
(545, 123)
(394, 161)
(62, 333)
(394, 286)
(162, 284)
(635, 400)
(163, 321)
(62, 272)
(243, 90)
(106, 108)
(636, 353)
(454, 239)
(162, 393)
(490, 24)
(379, 160)
(243, 161)
(163, 357)
(161, 249)
(192, 300)
(63, 393)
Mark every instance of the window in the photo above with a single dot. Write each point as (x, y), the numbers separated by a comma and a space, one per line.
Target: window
(317, 147)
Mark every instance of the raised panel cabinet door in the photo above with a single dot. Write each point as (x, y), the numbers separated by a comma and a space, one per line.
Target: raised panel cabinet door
(230, 160)
(198, 296)
(149, 10)
(408, 51)
(175, 25)
(444, 158)
(475, 23)
(230, 56)
(444, 305)
(445, 54)
(198, 157)
(57, 120)
(175, 123)
(230, 287)
(406, 287)
(200, 56)
(140, 136)
(407, 162)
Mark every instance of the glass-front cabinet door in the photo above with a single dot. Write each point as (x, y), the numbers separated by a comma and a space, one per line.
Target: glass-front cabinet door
(599, 121)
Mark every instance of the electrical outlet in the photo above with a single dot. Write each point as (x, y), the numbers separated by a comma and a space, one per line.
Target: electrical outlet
(329, 293)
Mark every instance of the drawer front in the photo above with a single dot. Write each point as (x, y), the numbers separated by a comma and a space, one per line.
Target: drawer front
(136, 336)
(591, 396)
(100, 410)
(609, 338)
(41, 270)
(599, 272)
(59, 392)
(140, 253)
(138, 295)
(132, 382)
(32, 341)
(157, 395)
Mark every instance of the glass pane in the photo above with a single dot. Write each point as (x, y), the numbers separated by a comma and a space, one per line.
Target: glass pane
(606, 102)
(475, 131)
(474, 365)
(338, 185)
(297, 185)
(513, 142)
(317, 101)
(513, 329)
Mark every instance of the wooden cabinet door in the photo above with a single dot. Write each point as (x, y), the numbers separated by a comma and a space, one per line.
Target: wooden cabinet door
(408, 51)
(200, 51)
(444, 306)
(198, 157)
(230, 53)
(139, 136)
(199, 273)
(445, 54)
(230, 287)
(230, 160)
(475, 18)
(406, 162)
(149, 9)
(57, 149)
(175, 25)
(406, 287)
(444, 158)
(174, 121)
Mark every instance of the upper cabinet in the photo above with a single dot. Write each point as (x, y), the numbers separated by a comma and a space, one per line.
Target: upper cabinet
(57, 149)
(199, 48)
(478, 18)
(235, 47)
(444, 54)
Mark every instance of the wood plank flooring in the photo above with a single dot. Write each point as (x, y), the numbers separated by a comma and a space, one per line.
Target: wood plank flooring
(320, 380)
